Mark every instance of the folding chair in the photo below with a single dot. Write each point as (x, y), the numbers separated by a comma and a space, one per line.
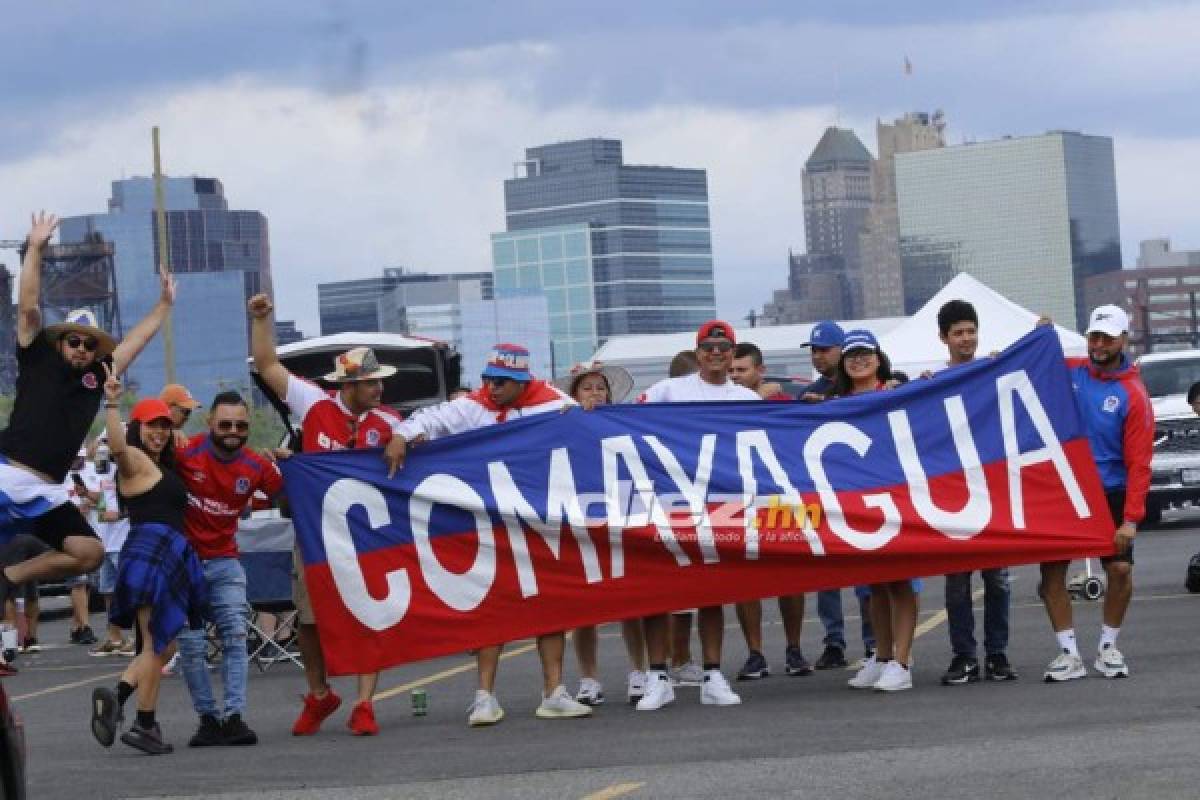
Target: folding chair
(266, 548)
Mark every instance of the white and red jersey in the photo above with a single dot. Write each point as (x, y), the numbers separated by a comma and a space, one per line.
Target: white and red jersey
(328, 425)
(477, 410)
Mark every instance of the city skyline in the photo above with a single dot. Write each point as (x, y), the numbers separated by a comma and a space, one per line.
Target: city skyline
(303, 124)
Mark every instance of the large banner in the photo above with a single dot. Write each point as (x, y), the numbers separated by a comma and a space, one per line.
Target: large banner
(551, 522)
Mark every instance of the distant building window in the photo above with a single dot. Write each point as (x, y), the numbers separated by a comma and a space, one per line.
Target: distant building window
(504, 253)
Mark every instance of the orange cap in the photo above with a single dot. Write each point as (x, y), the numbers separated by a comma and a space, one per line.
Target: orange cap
(178, 395)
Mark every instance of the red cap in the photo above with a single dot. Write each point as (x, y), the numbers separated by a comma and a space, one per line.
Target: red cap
(150, 408)
(716, 329)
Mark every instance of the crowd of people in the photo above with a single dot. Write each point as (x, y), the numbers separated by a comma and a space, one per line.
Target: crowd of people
(154, 514)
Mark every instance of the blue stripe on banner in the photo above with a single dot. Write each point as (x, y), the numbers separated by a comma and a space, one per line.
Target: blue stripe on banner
(1024, 390)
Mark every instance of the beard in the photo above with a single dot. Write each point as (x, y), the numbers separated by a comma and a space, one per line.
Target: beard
(221, 440)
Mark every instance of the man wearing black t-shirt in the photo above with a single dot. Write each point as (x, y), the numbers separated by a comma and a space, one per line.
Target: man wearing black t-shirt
(60, 380)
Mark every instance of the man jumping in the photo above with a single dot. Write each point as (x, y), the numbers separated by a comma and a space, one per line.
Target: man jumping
(60, 383)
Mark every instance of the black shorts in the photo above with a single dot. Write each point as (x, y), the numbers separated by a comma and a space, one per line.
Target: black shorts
(60, 522)
(1116, 507)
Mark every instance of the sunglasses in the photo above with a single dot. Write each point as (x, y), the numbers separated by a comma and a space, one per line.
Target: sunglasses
(226, 425)
(87, 343)
(716, 347)
(186, 412)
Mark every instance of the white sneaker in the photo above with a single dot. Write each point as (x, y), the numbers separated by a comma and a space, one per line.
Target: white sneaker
(867, 676)
(1110, 663)
(688, 674)
(715, 690)
(635, 687)
(485, 710)
(1066, 667)
(560, 705)
(895, 678)
(658, 692)
(590, 693)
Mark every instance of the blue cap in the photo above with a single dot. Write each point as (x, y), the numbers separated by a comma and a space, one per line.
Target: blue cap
(825, 333)
(508, 361)
(859, 339)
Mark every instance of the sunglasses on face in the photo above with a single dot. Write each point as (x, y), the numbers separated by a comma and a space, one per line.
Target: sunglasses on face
(716, 347)
(87, 343)
(227, 425)
(186, 412)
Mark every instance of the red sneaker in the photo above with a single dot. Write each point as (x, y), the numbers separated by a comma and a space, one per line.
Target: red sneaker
(316, 709)
(362, 720)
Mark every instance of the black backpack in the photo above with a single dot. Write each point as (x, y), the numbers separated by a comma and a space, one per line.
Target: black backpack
(1193, 574)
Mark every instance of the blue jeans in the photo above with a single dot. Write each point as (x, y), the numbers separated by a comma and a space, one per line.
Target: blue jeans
(960, 611)
(829, 609)
(227, 593)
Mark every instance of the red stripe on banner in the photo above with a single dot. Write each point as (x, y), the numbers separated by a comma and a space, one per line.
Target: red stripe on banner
(654, 583)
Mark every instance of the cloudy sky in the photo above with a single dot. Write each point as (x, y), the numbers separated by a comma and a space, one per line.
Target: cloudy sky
(378, 133)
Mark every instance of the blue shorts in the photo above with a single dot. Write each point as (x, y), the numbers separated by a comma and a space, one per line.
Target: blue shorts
(106, 580)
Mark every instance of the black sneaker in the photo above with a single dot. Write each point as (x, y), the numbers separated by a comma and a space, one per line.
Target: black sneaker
(833, 657)
(795, 663)
(84, 636)
(997, 668)
(106, 715)
(754, 668)
(209, 734)
(148, 740)
(236, 732)
(963, 669)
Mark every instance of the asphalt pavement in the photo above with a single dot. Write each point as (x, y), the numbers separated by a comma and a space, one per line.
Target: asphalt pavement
(792, 736)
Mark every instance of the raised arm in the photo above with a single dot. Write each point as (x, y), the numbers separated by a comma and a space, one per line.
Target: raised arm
(29, 313)
(141, 334)
(262, 345)
(131, 462)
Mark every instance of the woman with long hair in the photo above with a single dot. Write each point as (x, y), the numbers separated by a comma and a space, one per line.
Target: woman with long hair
(593, 384)
(160, 583)
(863, 368)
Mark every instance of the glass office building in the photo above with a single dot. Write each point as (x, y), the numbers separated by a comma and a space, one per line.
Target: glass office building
(637, 237)
(220, 258)
(1032, 217)
(370, 304)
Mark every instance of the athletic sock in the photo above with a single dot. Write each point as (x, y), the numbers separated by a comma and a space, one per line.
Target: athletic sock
(124, 690)
(658, 667)
(145, 719)
(1066, 640)
(712, 667)
(1108, 637)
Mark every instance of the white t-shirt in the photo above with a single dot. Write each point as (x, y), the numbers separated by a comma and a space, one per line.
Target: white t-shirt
(111, 533)
(692, 388)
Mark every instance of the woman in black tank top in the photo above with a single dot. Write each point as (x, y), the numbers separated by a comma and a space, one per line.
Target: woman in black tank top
(160, 583)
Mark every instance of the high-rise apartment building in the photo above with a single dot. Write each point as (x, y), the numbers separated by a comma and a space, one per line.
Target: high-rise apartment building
(616, 248)
(879, 241)
(378, 304)
(1032, 217)
(220, 258)
(837, 198)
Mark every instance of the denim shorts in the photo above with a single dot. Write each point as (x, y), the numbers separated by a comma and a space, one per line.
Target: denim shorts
(107, 580)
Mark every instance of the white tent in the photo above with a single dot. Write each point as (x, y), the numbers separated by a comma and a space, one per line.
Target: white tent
(914, 345)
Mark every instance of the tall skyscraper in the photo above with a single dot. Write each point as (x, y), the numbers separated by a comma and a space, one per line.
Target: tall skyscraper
(616, 248)
(879, 241)
(220, 258)
(378, 304)
(837, 198)
(1032, 217)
